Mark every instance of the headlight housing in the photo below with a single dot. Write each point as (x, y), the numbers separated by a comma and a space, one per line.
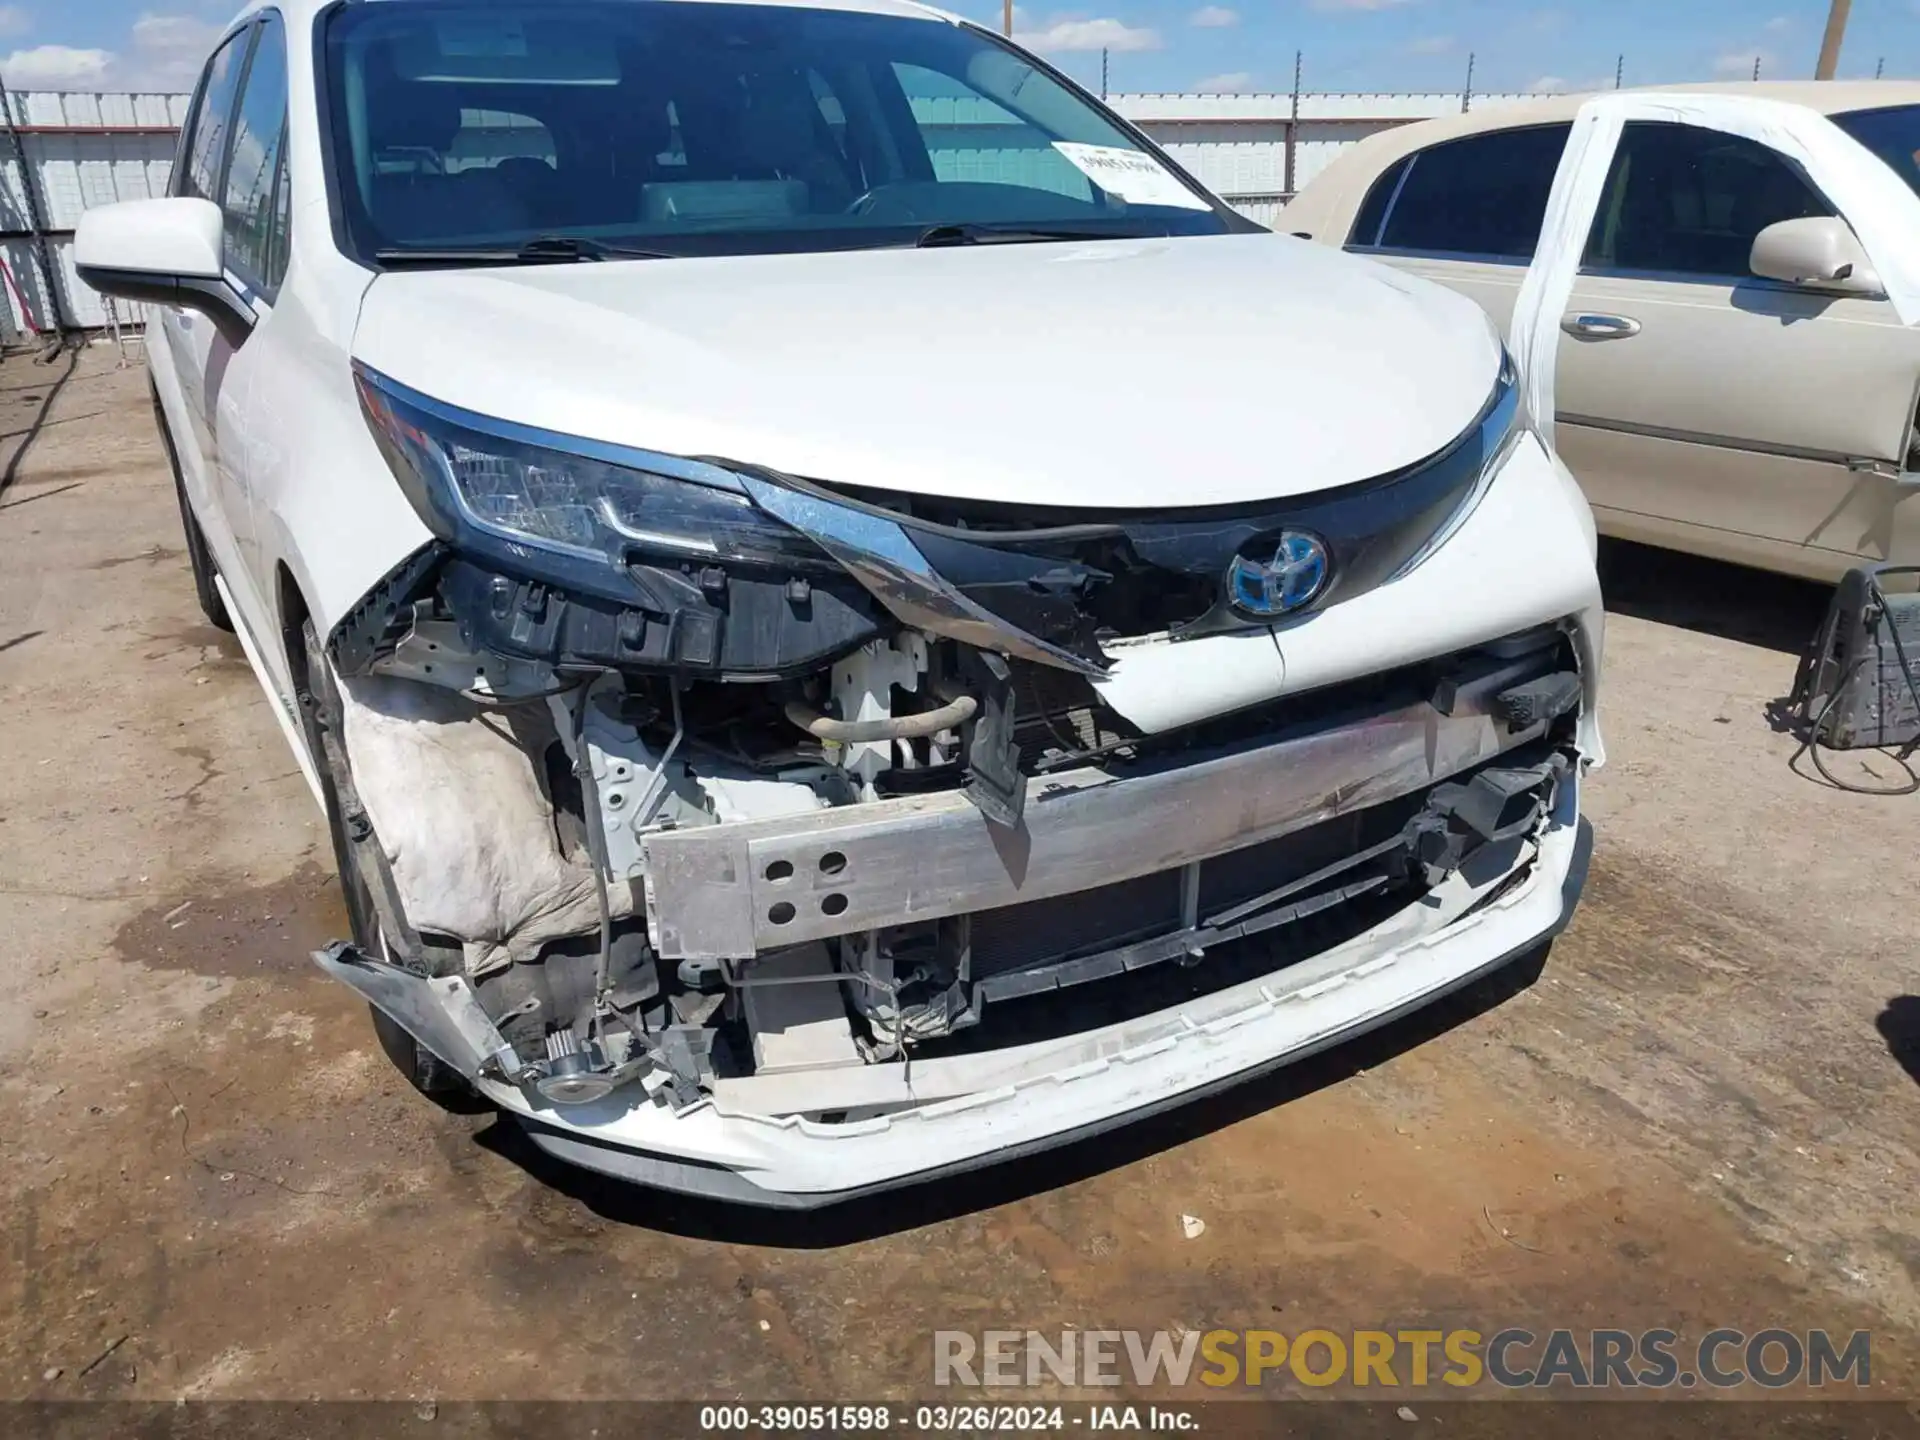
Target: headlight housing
(568, 510)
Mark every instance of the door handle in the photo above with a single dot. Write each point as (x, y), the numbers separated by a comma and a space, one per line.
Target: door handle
(1600, 327)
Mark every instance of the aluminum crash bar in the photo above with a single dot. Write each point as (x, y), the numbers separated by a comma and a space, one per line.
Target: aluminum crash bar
(732, 891)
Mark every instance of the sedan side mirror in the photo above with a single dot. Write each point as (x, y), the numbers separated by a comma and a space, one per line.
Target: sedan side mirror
(162, 252)
(1818, 253)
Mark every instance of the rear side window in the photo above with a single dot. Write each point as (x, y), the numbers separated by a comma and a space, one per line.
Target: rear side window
(212, 115)
(254, 172)
(1688, 201)
(1373, 209)
(1484, 195)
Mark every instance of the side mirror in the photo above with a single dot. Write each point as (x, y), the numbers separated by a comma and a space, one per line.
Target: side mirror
(161, 252)
(1817, 253)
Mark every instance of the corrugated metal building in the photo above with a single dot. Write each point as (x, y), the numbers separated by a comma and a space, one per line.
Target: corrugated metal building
(1257, 151)
(84, 149)
(81, 149)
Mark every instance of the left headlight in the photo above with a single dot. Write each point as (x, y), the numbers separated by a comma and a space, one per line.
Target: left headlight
(572, 511)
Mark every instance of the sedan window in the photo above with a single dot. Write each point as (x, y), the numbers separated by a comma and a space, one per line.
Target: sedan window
(1482, 196)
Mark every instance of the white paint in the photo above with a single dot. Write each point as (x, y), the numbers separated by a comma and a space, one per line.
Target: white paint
(179, 235)
(1199, 371)
(1524, 557)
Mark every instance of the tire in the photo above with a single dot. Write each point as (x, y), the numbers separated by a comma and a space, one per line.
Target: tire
(198, 556)
(423, 1070)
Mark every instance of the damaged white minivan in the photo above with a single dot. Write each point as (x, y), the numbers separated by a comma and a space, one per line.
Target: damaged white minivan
(849, 621)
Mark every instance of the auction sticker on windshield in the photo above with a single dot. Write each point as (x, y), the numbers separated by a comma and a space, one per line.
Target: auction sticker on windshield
(1133, 175)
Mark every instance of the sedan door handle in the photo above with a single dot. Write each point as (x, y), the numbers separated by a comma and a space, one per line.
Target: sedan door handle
(1600, 327)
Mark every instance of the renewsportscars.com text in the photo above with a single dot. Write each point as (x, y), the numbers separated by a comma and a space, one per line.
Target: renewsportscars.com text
(1511, 1358)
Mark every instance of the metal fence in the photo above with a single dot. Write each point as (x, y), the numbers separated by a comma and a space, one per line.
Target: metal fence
(83, 149)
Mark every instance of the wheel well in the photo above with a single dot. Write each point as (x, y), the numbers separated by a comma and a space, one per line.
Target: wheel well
(292, 607)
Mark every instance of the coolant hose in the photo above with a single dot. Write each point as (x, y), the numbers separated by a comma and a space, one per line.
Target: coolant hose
(956, 711)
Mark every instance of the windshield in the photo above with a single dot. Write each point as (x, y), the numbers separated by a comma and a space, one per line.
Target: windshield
(1893, 134)
(681, 129)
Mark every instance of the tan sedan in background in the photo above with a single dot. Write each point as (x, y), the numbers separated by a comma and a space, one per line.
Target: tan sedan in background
(1732, 382)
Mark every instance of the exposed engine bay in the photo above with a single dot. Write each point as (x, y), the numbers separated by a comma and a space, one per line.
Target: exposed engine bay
(506, 807)
(714, 820)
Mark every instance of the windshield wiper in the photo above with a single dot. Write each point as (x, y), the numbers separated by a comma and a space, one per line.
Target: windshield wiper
(541, 250)
(973, 233)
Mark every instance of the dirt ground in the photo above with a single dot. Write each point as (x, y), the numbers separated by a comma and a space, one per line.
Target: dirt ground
(1700, 1111)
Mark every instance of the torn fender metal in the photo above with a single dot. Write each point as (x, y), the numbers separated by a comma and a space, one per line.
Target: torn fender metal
(439, 1011)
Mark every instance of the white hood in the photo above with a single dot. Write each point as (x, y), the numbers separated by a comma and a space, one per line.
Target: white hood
(1122, 373)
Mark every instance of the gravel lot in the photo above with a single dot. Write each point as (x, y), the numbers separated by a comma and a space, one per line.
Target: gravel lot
(1702, 1110)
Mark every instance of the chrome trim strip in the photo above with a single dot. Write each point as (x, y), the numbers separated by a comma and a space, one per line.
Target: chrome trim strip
(1694, 437)
(879, 554)
(1718, 282)
(709, 895)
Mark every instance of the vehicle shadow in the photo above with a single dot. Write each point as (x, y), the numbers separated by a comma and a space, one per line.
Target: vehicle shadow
(1734, 602)
(34, 426)
(915, 1206)
(1899, 1026)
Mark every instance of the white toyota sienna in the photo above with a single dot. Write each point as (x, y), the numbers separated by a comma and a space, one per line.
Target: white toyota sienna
(847, 618)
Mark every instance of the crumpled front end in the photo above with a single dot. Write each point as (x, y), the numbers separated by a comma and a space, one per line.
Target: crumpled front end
(890, 837)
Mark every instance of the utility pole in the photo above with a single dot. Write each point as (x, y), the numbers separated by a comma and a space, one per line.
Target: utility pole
(1619, 71)
(1466, 95)
(1756, 67)
(1830, 42)
(1006, 19)
(1103, 72)
(1881, 68)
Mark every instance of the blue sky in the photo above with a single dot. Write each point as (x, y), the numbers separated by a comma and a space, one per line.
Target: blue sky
(1177, 44)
